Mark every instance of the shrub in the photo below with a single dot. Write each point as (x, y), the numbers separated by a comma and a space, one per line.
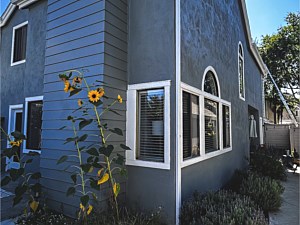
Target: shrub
(264, 191)
(266, 164)
(235, 182)
(222, 208)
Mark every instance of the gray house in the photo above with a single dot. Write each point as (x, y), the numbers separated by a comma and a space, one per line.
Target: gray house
(193, 61)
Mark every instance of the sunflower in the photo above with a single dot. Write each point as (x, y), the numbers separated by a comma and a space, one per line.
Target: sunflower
(67, 86)
(101, 92)
(120, 99)
(82, 207)
(94, 96)
(15, 143)
(89, 210)
(80, 102)
(77, 80)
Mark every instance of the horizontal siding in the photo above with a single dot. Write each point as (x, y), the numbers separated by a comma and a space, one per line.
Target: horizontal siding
(277, 136)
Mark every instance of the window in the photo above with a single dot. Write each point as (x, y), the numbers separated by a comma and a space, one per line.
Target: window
(241, 72)
(33, 124)
(19, 39)
(206, 120)
(191, 128)
(148, 125)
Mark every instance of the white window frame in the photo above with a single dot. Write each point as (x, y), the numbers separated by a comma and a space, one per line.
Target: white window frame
(15, 108)
(13, 44)
(27, 100)
(243, 60)
(131, 124)
(204, 95)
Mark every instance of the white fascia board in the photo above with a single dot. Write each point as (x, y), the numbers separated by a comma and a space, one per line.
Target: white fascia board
(7, 13)
(252, 45)
(23, 3)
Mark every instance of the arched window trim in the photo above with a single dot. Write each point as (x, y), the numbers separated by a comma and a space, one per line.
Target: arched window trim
(241, 56)
(210, 68)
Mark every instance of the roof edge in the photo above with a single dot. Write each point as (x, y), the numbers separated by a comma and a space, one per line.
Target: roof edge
(253, 46)
(7, 13)
(23, 3)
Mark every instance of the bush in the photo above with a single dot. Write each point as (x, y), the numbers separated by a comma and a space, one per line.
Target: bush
(222, 208)
(264, 191)
(235, 182)
(266, 164)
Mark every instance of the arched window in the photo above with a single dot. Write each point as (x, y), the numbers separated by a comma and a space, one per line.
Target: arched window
(241, 72)
(210, 84)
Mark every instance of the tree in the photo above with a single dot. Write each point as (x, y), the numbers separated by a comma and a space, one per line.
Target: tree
(280, 53)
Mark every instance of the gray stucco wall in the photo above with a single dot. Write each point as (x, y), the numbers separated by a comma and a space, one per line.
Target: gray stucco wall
(88, 35)
(26, 79)
(211, 31)
(151, 57)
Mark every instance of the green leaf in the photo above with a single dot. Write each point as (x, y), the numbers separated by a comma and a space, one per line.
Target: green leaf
(116, 131)
(123, 173)
(62, 159)
(84, 123)
(63, 76)
(99, 102)
(106, 150)
(20, 190)
(119, 160)
(82, 138)
(74, 178)
(70, 140)
(84, 200)
(18, 135)
(86, 167)
(36, 175)
(16, 173)
(75, 91)
(29, 161)
(70, 75)
(93, 151)
(71, 191)
(125, 147)
(70, 118)
(17, 200)
(36, 188)
(5, 181)
(94, 185)
(95, 196)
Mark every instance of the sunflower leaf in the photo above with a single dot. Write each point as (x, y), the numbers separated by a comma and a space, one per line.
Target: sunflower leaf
(75, 91)
(84, 123)
(116, 131)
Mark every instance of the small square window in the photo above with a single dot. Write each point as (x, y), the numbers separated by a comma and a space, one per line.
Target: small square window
(19, 43)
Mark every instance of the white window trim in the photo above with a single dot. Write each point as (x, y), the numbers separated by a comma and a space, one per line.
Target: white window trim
(243, 59)
(13, 45)
(131, 125)
(29, 99)
(17, 108)
(204, 156)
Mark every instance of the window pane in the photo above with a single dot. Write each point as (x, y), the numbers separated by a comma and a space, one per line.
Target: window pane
(210, 84)
(191, 142)
(20, 44)
(34, 125)
(151, 125)
(18, 122)
(211, 126)
(241, 77)
(226, 126)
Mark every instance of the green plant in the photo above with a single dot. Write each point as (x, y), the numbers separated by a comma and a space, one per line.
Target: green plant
(264, 191)
(28, 183)
(222, 208)
(266, 164)
(100, 152)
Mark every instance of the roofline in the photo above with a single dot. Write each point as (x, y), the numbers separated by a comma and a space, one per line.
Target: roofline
(23, 3)
(7, 13)
(252, 45)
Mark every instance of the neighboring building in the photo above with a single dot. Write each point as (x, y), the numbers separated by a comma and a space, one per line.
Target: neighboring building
(193, 60)
(22, 52)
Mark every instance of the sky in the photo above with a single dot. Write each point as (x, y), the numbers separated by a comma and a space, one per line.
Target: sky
(265, 16)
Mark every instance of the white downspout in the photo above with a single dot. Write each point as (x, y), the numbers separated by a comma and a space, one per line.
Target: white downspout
(178, 108)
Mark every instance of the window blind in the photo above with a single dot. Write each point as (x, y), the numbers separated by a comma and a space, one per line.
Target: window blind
(34, 125)
(211, 126)
(226, 126)
(20, 43)
(191, 142)
(151, 125)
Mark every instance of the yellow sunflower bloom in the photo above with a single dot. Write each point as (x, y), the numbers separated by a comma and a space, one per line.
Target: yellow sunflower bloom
(120, 99)
(77, 80)
(15, 143)
(94, 96)
(103, 179)
(82, 207)
(67, 86)
(101, 92)
(90, 208)
(80, 102)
